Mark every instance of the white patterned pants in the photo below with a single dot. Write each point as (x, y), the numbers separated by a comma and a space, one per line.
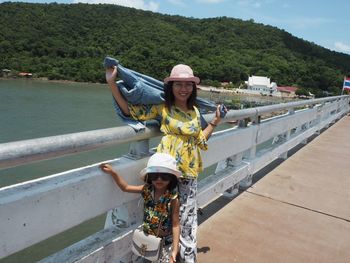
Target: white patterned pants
(188, 220)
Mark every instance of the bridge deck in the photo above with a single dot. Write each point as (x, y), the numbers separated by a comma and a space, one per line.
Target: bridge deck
(299, 212)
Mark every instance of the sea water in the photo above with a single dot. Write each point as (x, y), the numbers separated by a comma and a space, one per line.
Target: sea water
(32, 109)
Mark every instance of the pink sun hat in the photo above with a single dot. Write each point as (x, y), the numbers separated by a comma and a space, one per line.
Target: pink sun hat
(182, 72)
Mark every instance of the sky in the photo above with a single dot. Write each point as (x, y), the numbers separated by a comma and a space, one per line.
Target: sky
(323, 22)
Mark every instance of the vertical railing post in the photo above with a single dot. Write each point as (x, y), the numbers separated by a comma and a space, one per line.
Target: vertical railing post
(319, 115)
(325, 114)
(287, 136)
(246, 182)
(252, 152)
(232, 161)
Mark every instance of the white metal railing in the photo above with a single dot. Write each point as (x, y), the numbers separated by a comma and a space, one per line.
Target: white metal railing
(35, 210)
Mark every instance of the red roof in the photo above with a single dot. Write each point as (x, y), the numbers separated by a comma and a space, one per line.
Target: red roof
(287, 89)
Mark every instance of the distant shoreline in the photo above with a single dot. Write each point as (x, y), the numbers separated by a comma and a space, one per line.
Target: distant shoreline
(49, 80)
(212, 93)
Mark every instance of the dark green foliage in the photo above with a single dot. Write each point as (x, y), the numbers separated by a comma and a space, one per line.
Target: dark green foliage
(69, 42)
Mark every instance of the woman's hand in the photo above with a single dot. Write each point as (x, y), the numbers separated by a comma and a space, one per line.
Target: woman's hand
(107, 168)
(223, 111)
(111, 74)
(217, 117)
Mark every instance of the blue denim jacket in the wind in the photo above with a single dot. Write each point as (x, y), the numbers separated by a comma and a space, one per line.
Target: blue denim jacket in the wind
(141, 89)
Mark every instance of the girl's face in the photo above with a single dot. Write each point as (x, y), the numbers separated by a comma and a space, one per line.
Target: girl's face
(160, 181)
(182, 90)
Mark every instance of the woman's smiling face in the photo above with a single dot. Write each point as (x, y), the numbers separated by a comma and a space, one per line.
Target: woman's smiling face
(182, 90)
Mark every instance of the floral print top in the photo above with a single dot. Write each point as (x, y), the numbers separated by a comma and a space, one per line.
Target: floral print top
(157, 212)
(183, 136)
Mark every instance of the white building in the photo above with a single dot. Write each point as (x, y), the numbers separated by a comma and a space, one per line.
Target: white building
(261, 85)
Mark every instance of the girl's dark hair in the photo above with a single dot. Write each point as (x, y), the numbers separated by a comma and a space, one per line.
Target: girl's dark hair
(171, 186)
(170, 99)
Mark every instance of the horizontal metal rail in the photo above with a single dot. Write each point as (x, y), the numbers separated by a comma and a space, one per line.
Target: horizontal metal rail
(27, 151)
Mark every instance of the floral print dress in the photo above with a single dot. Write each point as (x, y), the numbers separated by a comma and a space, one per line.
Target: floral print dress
(157, 211)
(183, 137)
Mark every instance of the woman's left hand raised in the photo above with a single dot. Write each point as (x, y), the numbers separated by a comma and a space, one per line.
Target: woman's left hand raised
(220, 112)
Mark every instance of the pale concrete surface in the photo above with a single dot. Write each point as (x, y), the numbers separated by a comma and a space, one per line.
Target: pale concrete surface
(299, 212)
(316, 177)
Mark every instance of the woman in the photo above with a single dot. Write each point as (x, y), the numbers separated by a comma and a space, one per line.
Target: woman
(183, 139)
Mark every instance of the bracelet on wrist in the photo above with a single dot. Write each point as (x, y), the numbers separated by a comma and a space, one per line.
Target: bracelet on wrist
(213, 124)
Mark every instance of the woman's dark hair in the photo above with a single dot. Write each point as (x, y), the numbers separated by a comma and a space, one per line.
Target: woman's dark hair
(170, 99)
(171, 186)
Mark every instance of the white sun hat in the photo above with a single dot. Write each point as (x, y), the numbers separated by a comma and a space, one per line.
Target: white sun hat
(160, 163)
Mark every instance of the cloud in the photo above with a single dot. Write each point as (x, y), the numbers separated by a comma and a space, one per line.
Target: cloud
(251, 3)
(210, 1)
(256, 3)
(138, 4)
(177, 2)
(341, 47)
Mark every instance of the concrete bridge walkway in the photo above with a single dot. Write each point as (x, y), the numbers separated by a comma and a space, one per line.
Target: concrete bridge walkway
(299, 212)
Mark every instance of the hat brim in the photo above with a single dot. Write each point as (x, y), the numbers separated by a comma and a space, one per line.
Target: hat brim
(158, 169)
(192, 79)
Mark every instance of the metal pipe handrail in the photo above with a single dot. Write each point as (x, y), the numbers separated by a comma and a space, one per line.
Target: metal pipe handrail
(26, 151)
(257, 111)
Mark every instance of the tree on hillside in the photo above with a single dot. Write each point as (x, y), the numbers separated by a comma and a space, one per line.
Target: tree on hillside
(61, 41)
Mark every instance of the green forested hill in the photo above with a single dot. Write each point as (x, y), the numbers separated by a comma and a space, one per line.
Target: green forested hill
(69, 42)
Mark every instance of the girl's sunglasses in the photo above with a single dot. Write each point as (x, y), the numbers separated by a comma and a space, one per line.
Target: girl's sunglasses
(162, 176)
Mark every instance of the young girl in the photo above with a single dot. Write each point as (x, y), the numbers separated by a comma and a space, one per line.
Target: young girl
(161, 204)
